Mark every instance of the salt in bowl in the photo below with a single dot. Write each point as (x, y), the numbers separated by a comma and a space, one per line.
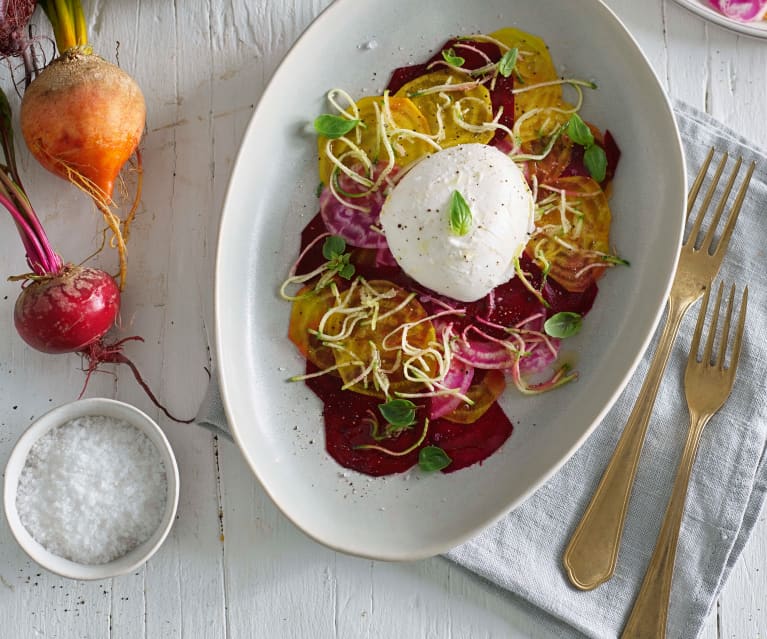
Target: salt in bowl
(113, 410)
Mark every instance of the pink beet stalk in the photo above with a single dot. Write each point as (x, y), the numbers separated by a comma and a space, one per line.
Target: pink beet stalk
(41, 257)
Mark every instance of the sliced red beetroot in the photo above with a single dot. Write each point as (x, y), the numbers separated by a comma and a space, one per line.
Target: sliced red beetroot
(459, 377)
(313, 258)
(513, 303)
(385, 258)
(468, 444)
(355, 226)
(576, 166)
(347, 426)
(613, 153)
(483, 354)
(539, 357)
(558, 298)
(343, 217)
(472, 60)
(743, 10)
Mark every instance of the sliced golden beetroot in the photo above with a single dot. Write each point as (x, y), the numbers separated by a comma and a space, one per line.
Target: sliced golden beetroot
(404, 115)
(534, 66)
(474, 103)
(385, 307)
(483, 393)
(305, 315)
(576, 253)
(549, 169)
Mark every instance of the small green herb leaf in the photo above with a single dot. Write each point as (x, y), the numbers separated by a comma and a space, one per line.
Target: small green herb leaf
(579, 131)
(333, 247)
(347, 270)
(398, 412)
(460, 214)
(595, 160)
(564, 324)
(451, 58)
(333, 251)
(507, 63)
(432, 458)
(333, 126)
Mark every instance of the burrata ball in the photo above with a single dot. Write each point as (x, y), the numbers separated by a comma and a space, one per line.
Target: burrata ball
(467, 262)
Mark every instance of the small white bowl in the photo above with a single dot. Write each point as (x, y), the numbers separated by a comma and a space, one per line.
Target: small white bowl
(57, 417)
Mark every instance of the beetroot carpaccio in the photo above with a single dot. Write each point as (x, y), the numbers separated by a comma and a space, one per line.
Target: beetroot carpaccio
(464, 224)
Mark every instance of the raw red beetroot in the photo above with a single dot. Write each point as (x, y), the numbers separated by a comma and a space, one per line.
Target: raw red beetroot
(67, 311)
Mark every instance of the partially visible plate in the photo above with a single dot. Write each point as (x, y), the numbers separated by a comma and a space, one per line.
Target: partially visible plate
(272, 195)
(757, 29)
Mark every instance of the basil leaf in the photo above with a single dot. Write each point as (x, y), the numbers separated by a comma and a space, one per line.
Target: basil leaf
(346, 271)
(564, 324)
(333, 126)
(460, 214)
(595, 160)
(432, 458)
(579, 131)
(507, 63)
(398, 412)
(333, 247)
(451, 58)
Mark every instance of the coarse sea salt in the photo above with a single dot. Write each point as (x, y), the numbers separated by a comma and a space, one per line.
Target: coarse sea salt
(92, 489)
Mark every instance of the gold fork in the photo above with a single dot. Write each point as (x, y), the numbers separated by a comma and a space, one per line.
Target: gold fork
(707, 384)
(590, 557)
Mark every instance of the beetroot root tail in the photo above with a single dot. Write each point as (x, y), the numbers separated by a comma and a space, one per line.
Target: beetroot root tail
(100, 353)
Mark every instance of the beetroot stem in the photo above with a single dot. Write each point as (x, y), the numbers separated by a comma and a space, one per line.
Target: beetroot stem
(28, 238)
(40, 254)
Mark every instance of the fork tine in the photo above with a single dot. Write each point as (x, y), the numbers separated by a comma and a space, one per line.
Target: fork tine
(709, 238)
(719, 363)
(695, 188)
(693, 357)
(712, 329)
(739, 334)
(727, 233)
(706, 201)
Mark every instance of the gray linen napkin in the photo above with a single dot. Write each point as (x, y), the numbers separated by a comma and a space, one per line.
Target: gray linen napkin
(522, 552)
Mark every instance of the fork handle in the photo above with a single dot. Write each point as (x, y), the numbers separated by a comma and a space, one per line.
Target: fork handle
(650, 612)
(590, 557)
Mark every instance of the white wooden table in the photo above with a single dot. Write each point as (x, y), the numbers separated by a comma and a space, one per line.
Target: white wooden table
(233, 565)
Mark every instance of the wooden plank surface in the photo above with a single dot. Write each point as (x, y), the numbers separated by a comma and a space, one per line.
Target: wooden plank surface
(233, 566)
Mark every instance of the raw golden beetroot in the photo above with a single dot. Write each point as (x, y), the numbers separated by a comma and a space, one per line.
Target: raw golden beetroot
(82, 118)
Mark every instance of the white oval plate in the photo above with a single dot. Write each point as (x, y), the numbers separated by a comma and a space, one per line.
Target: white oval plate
(278, 425)
(757, 29)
